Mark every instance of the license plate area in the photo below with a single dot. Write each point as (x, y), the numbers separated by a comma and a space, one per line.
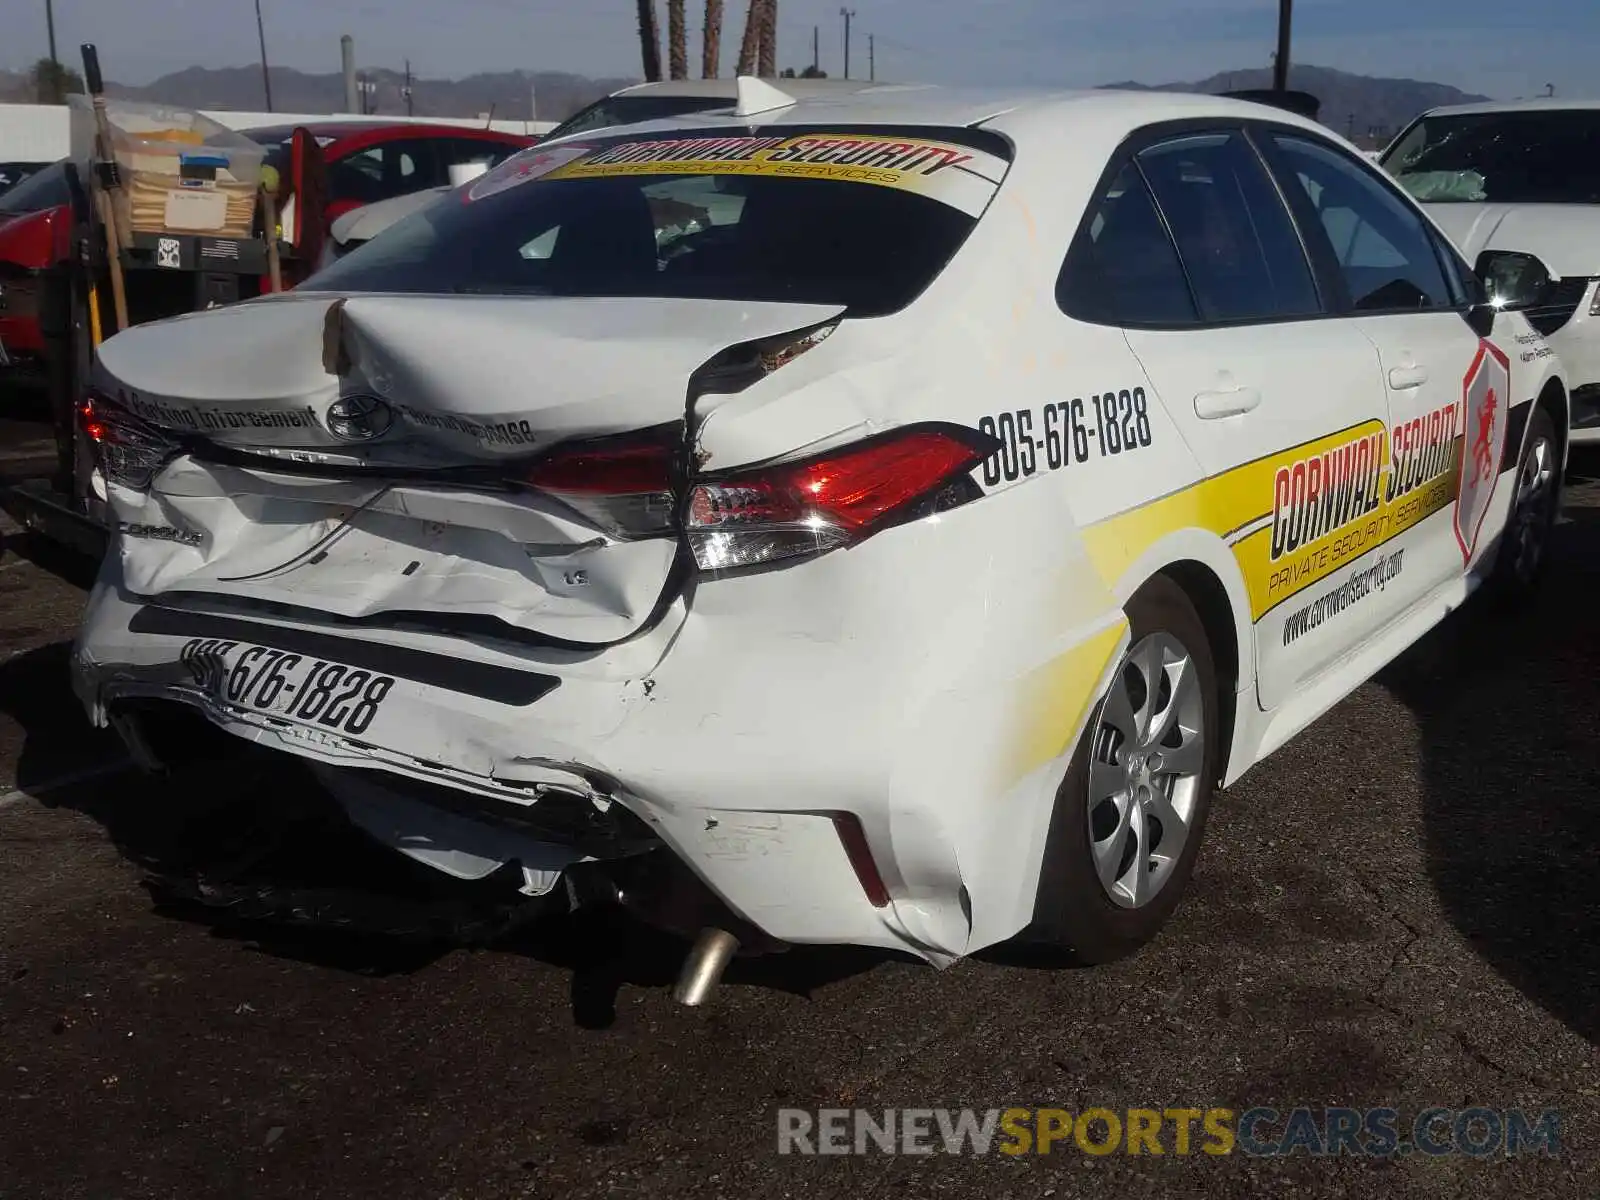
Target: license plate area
(320, 692)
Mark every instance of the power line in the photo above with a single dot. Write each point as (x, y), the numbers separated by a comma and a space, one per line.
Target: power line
(266, 76)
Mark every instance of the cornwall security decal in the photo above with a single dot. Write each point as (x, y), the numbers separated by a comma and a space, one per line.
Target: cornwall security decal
(961, 176)
(1326, 492)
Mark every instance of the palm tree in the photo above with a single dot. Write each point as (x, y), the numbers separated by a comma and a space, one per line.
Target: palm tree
(52, 81)
(752, 39)
(650, 41)
(713, 40)
(767, 59)
(677, 46)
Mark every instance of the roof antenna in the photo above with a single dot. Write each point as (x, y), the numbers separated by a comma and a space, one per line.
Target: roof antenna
(756, 96)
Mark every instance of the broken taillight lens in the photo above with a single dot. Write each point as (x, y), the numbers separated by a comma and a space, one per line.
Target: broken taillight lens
(128, 451)
(834, 500)
(623, 485)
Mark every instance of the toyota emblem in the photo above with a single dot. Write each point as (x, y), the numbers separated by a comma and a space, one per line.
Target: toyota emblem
(359, 418)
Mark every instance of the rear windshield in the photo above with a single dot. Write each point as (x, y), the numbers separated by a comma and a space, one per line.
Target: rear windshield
(1536, 157)
(861, 219)
(632, 110)
(48, 188)
(13, 173)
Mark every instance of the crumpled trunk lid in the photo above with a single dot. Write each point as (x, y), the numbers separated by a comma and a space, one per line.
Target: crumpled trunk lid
(347, 457)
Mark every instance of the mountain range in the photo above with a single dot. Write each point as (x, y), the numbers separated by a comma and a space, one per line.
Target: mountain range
(1363, 107)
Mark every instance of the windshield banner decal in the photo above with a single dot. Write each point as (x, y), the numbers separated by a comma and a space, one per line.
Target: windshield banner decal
(957, 175)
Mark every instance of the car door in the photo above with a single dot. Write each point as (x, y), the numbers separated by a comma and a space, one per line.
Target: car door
(1448, 388)
(381, 171)
(1282, 406)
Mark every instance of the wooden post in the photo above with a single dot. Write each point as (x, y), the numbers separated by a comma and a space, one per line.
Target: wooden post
(269, 222)
(105, 200)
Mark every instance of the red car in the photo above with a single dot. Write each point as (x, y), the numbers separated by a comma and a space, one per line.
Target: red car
(363, 161)
(36, 218)
(367, 161)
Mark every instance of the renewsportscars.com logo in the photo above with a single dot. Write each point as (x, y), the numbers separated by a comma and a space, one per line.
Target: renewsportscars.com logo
(1177, 1132)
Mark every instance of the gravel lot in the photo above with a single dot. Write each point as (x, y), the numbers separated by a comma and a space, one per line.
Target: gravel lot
(1401, 909)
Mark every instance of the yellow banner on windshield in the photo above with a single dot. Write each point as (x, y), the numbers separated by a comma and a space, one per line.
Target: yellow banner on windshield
(961, 176)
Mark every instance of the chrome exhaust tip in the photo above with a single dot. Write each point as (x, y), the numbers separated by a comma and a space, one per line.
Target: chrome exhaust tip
(708, 958)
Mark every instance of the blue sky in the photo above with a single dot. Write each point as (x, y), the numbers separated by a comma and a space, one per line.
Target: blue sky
(1501, 49)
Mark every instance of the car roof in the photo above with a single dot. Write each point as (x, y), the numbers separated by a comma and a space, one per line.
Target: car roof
(1030, 113)
(729, 88)
(1538, 104)
(354, 128)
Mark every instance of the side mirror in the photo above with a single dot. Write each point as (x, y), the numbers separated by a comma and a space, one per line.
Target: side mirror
(1480, 318)
(1513, 280)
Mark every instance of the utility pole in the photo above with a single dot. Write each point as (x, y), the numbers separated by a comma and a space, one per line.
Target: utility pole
(55, 64)
(266, 77)
(872, 57)
(816, 49)
(1280, 61)
(406, 91)
(847, 14)
(347, 56)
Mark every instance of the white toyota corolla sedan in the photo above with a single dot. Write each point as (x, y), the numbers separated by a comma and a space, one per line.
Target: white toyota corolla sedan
(880, 521)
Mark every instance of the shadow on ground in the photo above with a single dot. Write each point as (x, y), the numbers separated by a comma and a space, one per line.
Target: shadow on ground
(244, 842)
(1509, 711)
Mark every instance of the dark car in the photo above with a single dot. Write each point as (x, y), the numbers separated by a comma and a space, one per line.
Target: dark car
(13, 173)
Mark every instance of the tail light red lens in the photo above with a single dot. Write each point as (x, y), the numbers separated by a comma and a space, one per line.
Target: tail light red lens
(129, 451)
(835, 500)
(623, 485)
(854, 840)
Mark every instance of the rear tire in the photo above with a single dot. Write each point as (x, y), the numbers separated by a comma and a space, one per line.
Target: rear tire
(1139, 787)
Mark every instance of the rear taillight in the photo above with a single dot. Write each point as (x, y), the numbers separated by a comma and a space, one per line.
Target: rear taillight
(854, 840)
(622, 485)
(127, 450)
(786, 510)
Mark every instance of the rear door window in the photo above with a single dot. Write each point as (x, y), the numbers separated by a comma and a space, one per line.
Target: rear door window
(1234, 234)
(386, 170)
(456, 151)
(49, 188)
(1123, 269)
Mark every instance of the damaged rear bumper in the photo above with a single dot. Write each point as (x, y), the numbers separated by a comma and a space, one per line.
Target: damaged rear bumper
(832, 753)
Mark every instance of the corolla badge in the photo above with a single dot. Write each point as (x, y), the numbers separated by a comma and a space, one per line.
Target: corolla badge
(359, 418)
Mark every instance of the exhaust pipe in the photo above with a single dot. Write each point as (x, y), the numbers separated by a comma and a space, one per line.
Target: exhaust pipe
(708, 958)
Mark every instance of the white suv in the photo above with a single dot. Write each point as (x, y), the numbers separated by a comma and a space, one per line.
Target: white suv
(1518, 188)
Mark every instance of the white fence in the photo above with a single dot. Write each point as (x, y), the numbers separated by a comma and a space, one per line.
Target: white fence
(38, 132)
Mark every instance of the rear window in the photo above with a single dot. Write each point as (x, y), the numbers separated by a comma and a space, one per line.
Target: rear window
(633, 110)
(49, 188)
(1536, 157)
(862, 219)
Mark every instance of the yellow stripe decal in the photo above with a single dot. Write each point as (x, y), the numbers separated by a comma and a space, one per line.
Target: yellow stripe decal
(1325, 503)
(1055, 697)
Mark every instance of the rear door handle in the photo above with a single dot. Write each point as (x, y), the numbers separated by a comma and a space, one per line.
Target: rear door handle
(1209, 406)
(1404, 378)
